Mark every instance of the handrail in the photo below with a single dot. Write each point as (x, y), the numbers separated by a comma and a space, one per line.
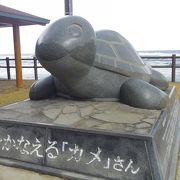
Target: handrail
(35, 65)
(158, 57)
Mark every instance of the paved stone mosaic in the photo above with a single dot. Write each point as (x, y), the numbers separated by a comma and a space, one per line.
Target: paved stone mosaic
(84, 115)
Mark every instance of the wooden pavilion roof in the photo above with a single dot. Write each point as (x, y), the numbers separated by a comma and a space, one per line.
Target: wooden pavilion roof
(10, 17)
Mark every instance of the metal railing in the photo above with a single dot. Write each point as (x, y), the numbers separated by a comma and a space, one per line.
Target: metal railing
(173, 64)
(35, 65)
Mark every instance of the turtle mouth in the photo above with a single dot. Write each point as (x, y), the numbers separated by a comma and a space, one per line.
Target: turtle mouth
(50, 51)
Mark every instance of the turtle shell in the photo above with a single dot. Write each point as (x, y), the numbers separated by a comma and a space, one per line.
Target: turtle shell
(114, 53)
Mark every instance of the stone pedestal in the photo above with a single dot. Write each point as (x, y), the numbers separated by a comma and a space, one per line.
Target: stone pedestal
(86, 140)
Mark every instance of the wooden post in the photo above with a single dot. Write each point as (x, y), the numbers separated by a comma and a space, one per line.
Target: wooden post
(35, 68)
(173, 75)
(8, 68)
(17, 52)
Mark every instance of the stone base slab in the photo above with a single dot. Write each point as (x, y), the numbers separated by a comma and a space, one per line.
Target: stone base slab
(86, 140)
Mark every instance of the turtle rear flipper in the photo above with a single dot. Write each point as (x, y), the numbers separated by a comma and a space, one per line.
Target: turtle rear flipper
(158, 80)
(138, 93)
(43, 89)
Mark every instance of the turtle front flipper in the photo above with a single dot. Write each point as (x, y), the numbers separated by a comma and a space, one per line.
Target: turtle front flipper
(42, 89)
(140, 94)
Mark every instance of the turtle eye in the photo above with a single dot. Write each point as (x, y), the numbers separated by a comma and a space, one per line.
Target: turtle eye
(75, 30)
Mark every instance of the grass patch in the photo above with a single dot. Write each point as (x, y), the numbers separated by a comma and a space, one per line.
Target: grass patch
(9, 93)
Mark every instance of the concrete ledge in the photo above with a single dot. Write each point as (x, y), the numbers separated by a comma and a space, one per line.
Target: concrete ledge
(85, 140)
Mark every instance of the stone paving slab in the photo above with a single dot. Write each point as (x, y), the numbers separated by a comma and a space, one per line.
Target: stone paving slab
(110, 116)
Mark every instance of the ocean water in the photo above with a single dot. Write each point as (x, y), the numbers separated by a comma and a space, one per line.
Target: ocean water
(28, 73)
(160, 61)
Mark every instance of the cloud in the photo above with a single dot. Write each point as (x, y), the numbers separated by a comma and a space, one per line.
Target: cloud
(148, 25)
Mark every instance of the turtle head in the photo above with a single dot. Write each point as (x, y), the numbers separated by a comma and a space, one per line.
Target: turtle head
(71, 36)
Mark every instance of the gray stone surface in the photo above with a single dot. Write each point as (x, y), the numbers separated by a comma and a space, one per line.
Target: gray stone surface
(144, 95)
(109, 116)
(67, 119)
(118, 117)
(87, 140)
(94, 65)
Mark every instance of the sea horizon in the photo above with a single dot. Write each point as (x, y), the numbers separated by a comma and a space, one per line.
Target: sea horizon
(29, 73)
(157, 52)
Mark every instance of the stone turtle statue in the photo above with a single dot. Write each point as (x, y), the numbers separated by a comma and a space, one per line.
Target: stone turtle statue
(88, 65)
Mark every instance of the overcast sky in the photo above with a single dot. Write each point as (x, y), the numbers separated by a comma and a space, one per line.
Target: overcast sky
(147, 24)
